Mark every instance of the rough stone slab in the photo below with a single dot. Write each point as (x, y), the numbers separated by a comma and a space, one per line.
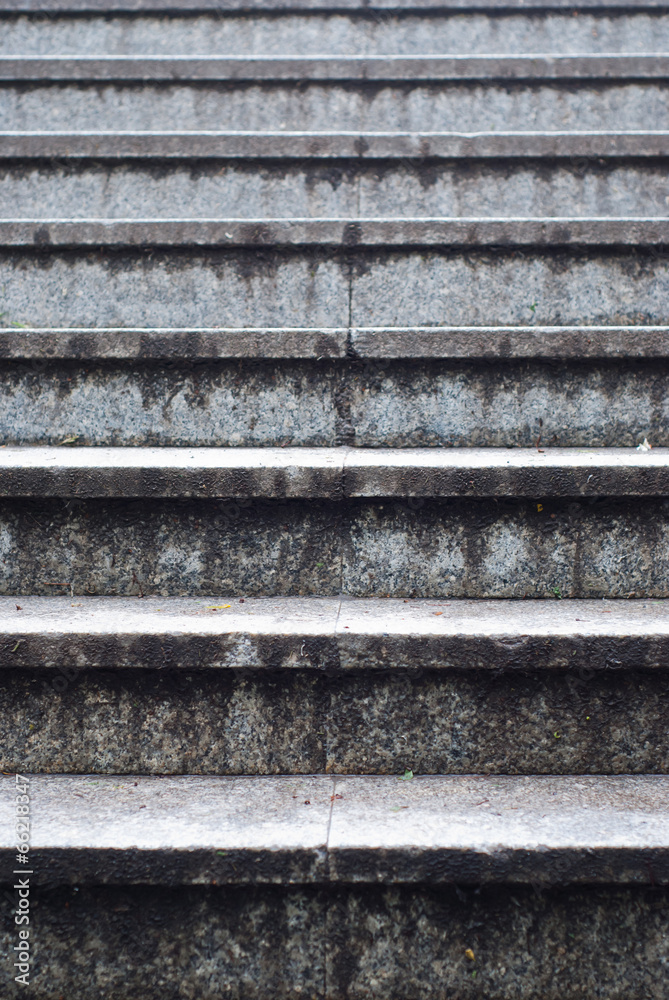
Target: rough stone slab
(241, 722)
(147, 344)
(182, 632)
(332, 472)
(526, 943)
(176, 472)
(175, 830)
(104, 6)
(501, 472)
(402, 289)
(305, 33)
(317, 190)
(345, 942)
(325, 145)
(318, 402)
(47, 233)
(469, 547)
(368, 68)
(479, 829)
(488, 342)
(124, 344)
(329, 633)
(361, 107)
(246, 290)
(367, 829)
(192, 720)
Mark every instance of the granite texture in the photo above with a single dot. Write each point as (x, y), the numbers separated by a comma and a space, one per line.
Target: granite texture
(311, 288)
(498, 548)
(295, 722)
(202, 943)
(320, 106)
(396, 404)
(152, 288)
(470, 829)
(359, 32)
(558, 945)
(331, 634)
(161, 722)
(403, 289)
(254, 190)
(174, 944)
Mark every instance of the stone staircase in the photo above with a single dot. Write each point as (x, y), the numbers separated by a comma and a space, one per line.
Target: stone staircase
(334, 553)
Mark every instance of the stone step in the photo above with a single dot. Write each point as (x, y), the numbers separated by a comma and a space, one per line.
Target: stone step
(465, 106)
(489, 547)
(369, 68)
(364, 402)
(335, 633)
(339, 686)
(334, 473)
(202, 343)
(378, 7)
(351, 287)
(44, 233)
(334, 145)
(514, 192)
(449, 30)
(473, 829)
(356, 940)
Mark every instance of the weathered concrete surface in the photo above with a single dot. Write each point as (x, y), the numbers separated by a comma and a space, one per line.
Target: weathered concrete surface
(333, 633)
(251, 289)
(199, 943)
(255, 190)
(459, 548)
(468, 829)
(157, 721)
(154, 289)
(318, 106)
(366, 32)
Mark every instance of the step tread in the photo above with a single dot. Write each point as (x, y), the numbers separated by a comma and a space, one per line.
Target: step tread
(358, 145)
(322, 6)
(331, 472)
(364, 68)
(155, 343)
(344, 829)
(332, 632)
(46, 233)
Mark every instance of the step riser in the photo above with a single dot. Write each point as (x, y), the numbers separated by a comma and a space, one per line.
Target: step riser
(231, 722)
(468, 548)
(363, 403)
(340, 942)
(342, 190)
(335, 34)
(373, 107)
(252, 289)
